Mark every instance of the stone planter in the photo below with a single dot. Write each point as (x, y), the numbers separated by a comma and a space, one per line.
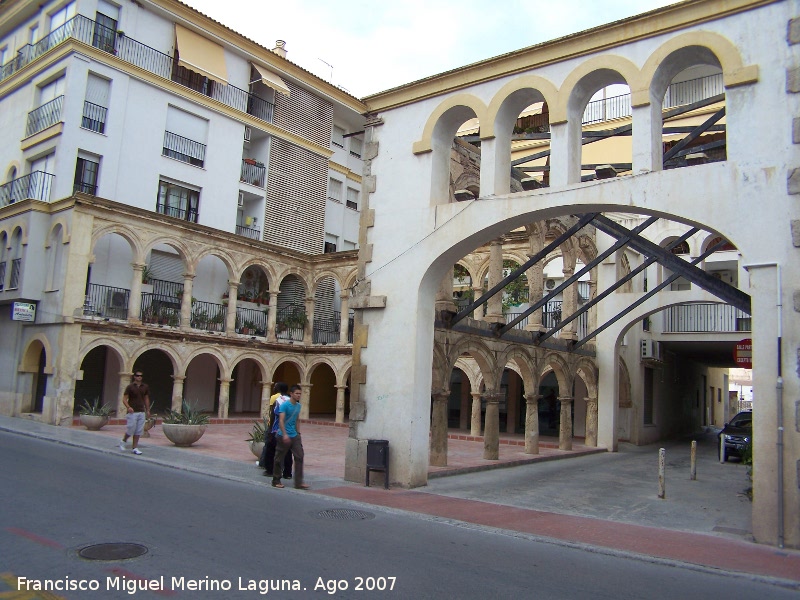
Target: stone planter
(93, 422)
(183, 435)
(148, 425)
(256, 448)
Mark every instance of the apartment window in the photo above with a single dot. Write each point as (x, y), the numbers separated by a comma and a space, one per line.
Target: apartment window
(95, 106)
(86, 171)
(62, 15)
(178, 201)
(352, 198)
(185, 136)
(335, 190)
(3, 55)
(329, 247)
(105, 26)
(355, 147)
(48, 113)
(338, 137)
(33, 35)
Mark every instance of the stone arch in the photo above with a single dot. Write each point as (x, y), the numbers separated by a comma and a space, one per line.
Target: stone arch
(178, 366)
(526, 366)
(560, 368)
(128, 234)
(266, 268)
(109, 342)
(293, 361)
(30, 356)
(478, 351)
(586, 369)
(223, 257)
(176, 244)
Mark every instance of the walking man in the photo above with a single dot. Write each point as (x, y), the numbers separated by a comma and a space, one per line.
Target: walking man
(268, 455)
(137, 402)
(289, 440)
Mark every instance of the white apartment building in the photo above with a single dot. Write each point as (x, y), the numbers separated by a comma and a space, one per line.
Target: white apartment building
(162, 172)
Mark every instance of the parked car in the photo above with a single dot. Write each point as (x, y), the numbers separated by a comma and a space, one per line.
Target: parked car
(738, 434)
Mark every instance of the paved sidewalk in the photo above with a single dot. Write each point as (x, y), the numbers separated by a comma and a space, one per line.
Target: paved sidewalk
(546, 500)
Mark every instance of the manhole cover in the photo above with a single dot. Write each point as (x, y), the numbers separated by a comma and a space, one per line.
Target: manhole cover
(119, 551)
(344, 514)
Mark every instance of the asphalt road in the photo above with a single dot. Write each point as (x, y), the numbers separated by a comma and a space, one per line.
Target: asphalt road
(213, 533)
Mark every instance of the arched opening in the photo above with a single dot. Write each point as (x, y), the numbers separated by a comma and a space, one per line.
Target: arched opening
(291, 315)
(288, 373)
(109, 277)
(327, 312)
(201, 386)
(322, 397)
(39, 384)
(162, 287)
(512, 411)
(245, 388)
(459, 403)
(252, 302)
(210, 282)
(101, 369)
(3, 259)
(530, 148)
(549, 408)
(54, 258)
(157, 369)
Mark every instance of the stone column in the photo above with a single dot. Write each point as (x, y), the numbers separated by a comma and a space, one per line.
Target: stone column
(305, 400)
(477, 292)
(266, 388)
(591, 422)
(569, 305)
(230, 320)
(272, 316)
(491, 432)
(532, 423)
(177, 392)
(565, 425)
(438, 453)
(444, 295)
(494, 310)
(135, 297)
(124, 381)
(308, 330)
(224, 398)
(535, 290)
(186, 301)
(344, 298)
(464, 413)
(475, 422)
(340, 389)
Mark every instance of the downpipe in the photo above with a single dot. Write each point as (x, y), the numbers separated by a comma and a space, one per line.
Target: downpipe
(778, 396)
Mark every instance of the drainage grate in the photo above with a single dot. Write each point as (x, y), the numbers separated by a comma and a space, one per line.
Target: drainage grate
(117, 551)
(344, 514)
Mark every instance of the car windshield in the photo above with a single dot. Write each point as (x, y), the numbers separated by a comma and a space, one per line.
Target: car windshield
(742, 420)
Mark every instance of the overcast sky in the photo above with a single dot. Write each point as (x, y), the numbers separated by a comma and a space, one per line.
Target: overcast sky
(374, 46)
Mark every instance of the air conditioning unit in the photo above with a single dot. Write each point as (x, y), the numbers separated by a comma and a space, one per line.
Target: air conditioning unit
(651, 350)
(241, 199)
(247, 133)
(550, 284)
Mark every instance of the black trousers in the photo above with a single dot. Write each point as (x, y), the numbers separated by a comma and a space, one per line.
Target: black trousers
(268, 457)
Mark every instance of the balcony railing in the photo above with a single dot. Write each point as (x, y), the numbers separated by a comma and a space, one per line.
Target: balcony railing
(291, 323)
(178, 213)
(160, 310)
(35, 185)
(106, 301)
(208, 316)
(326, 330)
(184, 149)
(43, 117)
(705, 318)
(94, 117)
(253, 173)
(253, 234)
(86, 188)
(2, 276)
(129, 50)
(250, 321)
(551, 317)
(16, 273)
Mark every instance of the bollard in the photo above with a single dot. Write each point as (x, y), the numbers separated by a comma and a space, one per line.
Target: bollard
(722, 457)
(662, 459)
(693, 462)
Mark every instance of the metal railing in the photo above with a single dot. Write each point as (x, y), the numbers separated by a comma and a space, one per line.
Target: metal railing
(94, 117)
(183, 149)
(129, 50)
(86, 188)
(16, 273)
(253, 234)
(606, 109)
(2, 276)
(291, 323)
(35, 185)
(250, 321)
(705, 318)
(253, 173)
(208, 316)
(178, 213)
(160, 310)
(44, 116)
(106, 301)
(326, 330)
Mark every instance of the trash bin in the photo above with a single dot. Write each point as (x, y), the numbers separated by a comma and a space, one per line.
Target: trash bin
(378, 459)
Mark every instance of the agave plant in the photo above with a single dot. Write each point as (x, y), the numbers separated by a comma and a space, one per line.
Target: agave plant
(95, 409)
(188, 415)
(259, 431)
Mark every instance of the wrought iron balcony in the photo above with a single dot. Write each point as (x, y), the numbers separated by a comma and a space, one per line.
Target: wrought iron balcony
(106, 301)
(94, 117)
(253, 234)
(2, 276)
(208, 316)
(160, 310)
(253, 173)
(177, 213)
(94, 34)
(43, 117)
(705, 318)
(250, 321)
(291, 323)
(35, 185)
(184, 149)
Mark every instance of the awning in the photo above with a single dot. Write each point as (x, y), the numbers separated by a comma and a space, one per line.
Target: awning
(200, 55)
(272, 80)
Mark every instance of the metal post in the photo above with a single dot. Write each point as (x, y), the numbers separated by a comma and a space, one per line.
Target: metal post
(722, 456)
(693, 462)
(662, 456)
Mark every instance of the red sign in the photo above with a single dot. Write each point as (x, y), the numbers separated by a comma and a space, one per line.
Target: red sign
(743, 354)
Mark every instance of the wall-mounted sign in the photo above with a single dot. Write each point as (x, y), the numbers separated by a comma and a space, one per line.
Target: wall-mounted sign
(23, 311)
(743, 354)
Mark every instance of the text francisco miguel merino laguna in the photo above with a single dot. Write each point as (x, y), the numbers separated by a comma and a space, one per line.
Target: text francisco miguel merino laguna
(125, 584)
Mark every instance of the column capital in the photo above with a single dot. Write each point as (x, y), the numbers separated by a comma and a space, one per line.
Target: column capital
(344, 295)
(441, 395)
(590, 400)
(189, 276)
(475, 395)
(178, 378)
(232, 284)
(138, 266)
(340, 387)
(566, 399)
(492, 397)
(532, 397)
(225, 380)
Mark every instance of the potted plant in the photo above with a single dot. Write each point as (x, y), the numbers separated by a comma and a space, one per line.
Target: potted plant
(258, 437)
(147, 274)
(184, 428)
(247, 327)
(94, 416)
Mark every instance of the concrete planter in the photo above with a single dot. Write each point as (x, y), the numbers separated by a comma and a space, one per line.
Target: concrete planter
(256, 448)
(93, 422)
(148, 425)
(183, 435)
